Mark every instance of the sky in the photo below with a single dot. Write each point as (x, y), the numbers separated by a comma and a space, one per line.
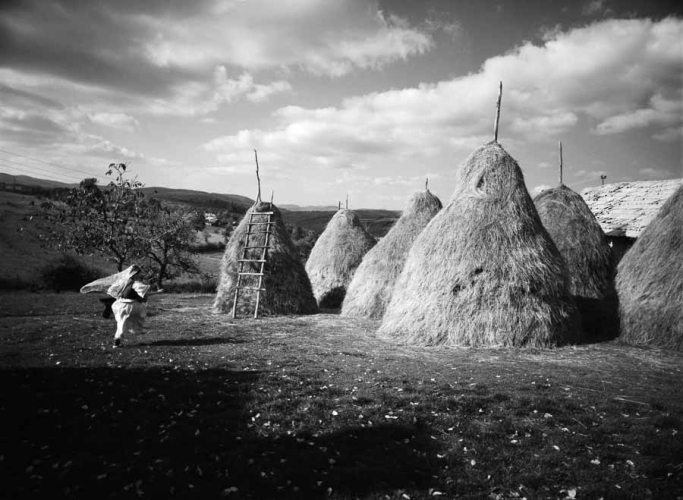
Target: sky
(360, 98)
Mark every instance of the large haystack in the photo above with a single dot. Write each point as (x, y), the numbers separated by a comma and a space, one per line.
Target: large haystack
(650, 281)
(484, 272)
(335, 257)
(590, 260)
(373, 283)
(286, 284)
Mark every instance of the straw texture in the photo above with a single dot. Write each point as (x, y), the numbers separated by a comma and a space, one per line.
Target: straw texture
(650, 281)
(484, 272)
(590, 260)
(336, 256)
(373, 282)
(287, 287)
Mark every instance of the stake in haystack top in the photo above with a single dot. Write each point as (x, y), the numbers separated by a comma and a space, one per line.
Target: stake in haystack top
(484, 272)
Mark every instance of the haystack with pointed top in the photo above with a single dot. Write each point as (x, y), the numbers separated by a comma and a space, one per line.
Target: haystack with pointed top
(484, 272)
(650, 281)
(590, 260)
(287, 289)
(373, 282)
(336, 256)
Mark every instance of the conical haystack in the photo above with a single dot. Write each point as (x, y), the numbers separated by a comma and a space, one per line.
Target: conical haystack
(650, 281)
(335, 257)
(373, 283)
(583, 244)
(286, 284)
(484, 272)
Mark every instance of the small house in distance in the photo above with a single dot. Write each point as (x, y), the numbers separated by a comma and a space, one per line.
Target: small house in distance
(624, 209)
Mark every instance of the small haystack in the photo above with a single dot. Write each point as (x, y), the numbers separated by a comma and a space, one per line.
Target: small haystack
(373, 283)
(484, 272)
(286, 284)
(583, 244)
(335, 257)
(650, 281)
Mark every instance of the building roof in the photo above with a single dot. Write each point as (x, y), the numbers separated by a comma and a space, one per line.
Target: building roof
(626, 208)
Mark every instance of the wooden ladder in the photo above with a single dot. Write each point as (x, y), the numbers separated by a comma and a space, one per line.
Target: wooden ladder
(262, 261)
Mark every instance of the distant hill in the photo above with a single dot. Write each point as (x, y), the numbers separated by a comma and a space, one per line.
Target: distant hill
(314, 218)
(314, 208)
(198, 198)
(25, 180)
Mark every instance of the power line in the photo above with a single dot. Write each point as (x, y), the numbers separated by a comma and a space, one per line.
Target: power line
(59, 179)
(45, 162)
(37, 168)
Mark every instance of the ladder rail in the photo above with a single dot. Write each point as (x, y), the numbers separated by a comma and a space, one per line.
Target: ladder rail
(245, 258)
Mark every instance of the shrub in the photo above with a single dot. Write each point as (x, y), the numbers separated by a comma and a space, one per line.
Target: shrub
(206, 284)
(67, 273)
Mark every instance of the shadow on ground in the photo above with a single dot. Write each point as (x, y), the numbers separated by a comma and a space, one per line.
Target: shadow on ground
(163, 433)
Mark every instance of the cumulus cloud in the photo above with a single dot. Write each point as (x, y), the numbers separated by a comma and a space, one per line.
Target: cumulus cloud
(615, 75)
(115, 120)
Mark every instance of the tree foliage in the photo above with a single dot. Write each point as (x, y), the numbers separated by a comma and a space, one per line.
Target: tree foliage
(120, 222)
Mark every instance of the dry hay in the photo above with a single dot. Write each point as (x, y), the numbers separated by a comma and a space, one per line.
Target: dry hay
(372, 284)
(286, 284)
(650, 281)
(583, 244)
(484, 272)
(335, 257)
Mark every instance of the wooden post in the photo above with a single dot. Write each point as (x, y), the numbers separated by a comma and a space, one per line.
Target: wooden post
(339, 205)
(495, 128)
(347, 201)
(426, 183)
(258, 179)
(271, 200)
(560, 163)
(602, 178)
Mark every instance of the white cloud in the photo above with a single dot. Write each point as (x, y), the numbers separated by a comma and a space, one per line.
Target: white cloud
(325, 38)
(115, 120)
(602, 74)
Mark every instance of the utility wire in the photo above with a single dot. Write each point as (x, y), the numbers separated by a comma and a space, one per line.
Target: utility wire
(36, 168)
(43, 176)
(45, 162)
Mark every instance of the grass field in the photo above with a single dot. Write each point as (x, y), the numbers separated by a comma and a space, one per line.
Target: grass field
(204, 406)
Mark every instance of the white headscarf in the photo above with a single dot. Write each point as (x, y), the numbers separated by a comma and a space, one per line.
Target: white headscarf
(115, 284)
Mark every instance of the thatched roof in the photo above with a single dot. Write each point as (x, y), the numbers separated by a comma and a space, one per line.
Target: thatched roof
(287, 287)
(626, 208)
(335, 257)
(373, 281)
(588, 255)
(650, 281)
(484, 272)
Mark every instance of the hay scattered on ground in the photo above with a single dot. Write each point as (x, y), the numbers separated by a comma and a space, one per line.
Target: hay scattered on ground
(650, 281)
(336, 256)
(287, 287)
(484, 272)
(373, 283)
(590, 260)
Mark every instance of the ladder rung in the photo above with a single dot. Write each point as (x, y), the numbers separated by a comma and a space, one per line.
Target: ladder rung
(250, 274)
(250, 248)
(251, 260)
(256, 223)
(254, 214)
(251, 288)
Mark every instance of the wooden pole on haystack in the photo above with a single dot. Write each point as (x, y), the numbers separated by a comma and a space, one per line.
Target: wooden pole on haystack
(560, 163)
(495, 127)
(339, 205)
(347, 201)
(426, 183)
(271, 199)
(258, 179)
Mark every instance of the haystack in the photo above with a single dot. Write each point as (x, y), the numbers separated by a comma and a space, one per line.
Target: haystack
(583, 244)
(484, 272)
(287, 287)
(336, 256)
(650, 281)
(373, 283)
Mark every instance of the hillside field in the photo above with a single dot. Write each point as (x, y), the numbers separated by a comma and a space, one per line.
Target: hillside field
(204, 406)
